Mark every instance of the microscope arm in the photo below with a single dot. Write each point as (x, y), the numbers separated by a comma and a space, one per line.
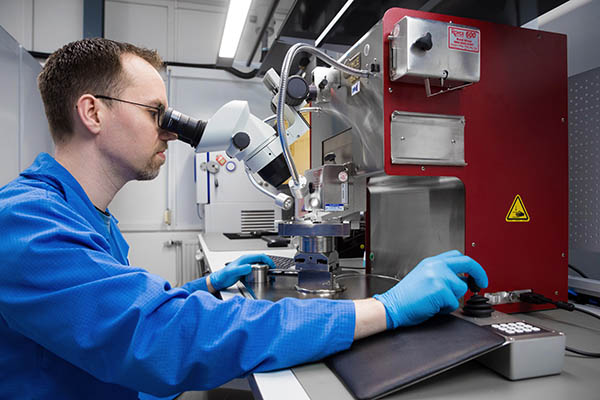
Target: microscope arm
(282, 200)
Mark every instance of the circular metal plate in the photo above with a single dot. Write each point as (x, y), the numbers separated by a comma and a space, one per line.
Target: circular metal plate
(314, 229)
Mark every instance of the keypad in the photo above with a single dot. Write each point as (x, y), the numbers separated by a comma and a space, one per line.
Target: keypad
(515, 328)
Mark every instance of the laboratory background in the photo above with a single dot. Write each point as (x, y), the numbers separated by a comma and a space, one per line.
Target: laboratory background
(473, 125)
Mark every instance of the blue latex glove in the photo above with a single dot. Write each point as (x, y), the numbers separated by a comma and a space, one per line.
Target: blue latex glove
(431, 287)
(235, 270)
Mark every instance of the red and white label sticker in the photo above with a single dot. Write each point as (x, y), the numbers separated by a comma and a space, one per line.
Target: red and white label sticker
(221, 160)
(463, 39)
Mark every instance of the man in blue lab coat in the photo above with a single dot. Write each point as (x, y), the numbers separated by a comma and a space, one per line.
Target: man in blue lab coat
(77, 321)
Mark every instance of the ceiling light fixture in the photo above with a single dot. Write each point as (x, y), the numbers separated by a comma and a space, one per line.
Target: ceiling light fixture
(333, 22)
(234, 26)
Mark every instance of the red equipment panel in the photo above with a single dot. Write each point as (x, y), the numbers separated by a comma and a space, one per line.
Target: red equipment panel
(515, 144)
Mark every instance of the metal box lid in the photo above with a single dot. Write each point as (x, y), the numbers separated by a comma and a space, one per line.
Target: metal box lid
(444, 52)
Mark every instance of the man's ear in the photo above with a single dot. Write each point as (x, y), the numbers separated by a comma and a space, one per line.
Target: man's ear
(87, 109)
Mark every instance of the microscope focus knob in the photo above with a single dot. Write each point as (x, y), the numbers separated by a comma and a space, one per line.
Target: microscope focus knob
(241, 140)
(297, 91)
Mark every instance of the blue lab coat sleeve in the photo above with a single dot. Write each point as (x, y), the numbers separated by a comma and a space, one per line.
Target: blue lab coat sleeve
(61, 288)
(197, 284)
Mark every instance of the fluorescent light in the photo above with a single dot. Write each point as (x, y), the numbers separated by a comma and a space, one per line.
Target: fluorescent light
(333, 22)
(234, 25)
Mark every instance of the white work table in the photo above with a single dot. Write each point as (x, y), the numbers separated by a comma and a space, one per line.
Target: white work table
(579, 379)
(219, 250)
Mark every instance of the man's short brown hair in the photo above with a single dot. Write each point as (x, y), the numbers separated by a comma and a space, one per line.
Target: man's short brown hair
(86, 66)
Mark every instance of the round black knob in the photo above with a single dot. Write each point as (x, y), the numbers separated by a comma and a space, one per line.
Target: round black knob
(472, 285)
(241, 140)
(424, 42)
(323, 84)
(297, 90)
(329, 157)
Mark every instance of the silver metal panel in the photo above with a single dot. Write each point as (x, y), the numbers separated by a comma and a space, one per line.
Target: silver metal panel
(427, 139)
(413, 218)
(363, 111)
(340, 145)
(327, 191)
(454, 59)
(9, 107)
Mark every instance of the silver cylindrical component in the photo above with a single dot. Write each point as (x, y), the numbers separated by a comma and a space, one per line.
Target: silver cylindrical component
(297, 228)
(260, 273)
(284, 201)
(316, 244)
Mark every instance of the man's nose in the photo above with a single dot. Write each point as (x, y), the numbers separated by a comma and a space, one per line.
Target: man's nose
(168, 136)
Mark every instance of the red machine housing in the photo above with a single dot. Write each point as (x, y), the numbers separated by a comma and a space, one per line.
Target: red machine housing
(515, 143)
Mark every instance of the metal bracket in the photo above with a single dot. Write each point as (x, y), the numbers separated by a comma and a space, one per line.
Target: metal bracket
(505, 297)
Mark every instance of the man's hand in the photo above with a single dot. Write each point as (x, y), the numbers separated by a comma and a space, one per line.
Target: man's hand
(235, 270)
(431, 287)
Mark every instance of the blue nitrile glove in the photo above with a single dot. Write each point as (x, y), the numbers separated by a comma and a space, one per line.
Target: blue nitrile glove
(431, 287)
(242, 266)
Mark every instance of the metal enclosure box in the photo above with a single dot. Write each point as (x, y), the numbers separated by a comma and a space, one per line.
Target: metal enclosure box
(453, 57)
(328, 188)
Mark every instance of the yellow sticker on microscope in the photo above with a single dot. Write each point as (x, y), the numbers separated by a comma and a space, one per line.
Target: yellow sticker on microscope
(517, 211)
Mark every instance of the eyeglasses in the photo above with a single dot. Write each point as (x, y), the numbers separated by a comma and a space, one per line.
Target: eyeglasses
(160, 110)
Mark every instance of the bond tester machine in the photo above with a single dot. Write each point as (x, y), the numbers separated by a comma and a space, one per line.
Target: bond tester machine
(433, 133)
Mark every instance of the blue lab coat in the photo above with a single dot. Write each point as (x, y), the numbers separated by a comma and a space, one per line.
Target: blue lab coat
(78, 322)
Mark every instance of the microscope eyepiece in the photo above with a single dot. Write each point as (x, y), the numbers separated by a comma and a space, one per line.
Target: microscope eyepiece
(188, 129)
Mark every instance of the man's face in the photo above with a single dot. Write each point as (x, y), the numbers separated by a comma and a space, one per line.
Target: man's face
(133, 141)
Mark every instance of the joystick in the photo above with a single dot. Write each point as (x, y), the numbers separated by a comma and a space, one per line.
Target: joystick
(477, 306)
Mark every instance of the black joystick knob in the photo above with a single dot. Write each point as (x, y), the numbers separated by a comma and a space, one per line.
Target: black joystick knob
(424, 42)
(477, 306)
(472, 285)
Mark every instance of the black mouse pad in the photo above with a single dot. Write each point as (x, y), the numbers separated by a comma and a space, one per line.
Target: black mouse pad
(379, 365)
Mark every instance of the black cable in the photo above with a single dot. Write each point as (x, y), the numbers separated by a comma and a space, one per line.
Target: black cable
(583, 352)
(536, 298)
(578, 271)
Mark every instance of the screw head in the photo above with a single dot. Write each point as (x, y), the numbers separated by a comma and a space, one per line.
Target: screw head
(563, 255)
(372, 256)
(562, 119)
(473, 244)
(453, 141)
(390, 90)
(422, 168)
(402, 138)
(556, 292)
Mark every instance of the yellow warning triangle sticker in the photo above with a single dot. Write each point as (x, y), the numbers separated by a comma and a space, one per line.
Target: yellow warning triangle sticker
(517, 212)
